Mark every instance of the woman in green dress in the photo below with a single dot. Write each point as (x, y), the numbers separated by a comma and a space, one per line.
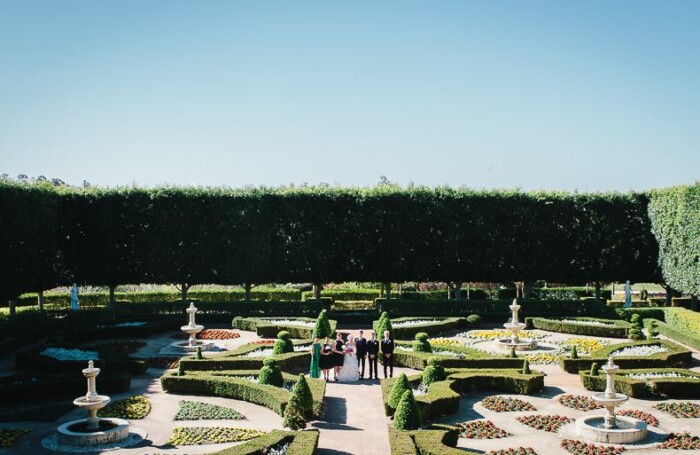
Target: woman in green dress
(314, 369)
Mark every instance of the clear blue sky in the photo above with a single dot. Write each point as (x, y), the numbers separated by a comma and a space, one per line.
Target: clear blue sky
(554, 95)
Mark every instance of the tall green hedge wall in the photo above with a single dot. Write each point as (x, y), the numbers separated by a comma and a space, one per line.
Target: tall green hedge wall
(218, 235)
(675, 221)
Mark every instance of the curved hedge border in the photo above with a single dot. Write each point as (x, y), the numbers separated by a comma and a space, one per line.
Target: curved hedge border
(232, 384)
(642, 388)
(473, 358)
(443, 396)
(32, 359)
(290, 361)
(22, 388)
(675, 356)
(300, 443)
(265, 329)
(436, 440)
(431, 328)
(617, 329)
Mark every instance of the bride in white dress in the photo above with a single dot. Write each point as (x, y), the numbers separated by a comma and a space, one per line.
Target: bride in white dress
(350, 371)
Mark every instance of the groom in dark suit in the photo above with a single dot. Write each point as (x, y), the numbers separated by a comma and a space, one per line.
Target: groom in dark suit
(373, 353)
(388, 354)
(361, 346)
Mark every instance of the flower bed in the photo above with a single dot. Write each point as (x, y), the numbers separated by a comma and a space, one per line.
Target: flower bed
(196, 410)
(407, 328)
(70, 354)
(587, 322)
(447, 342)
(184, 436)
(480, 429)
(582, 448)
(668, 375)
(8, 436)
(516, 451)
(134, 407)
(503, 404)
(607, 328)
(664, 382)
(167, 363)
(549, 423)
(682, 410)
(540, 358)
(292, 322)
(211, 334)
(265, 328)
(412, 322)
(584, 345)
(420, 390)
(681, 441)
(639, 351)
(482, 335)
(579, 402)
(639, 415)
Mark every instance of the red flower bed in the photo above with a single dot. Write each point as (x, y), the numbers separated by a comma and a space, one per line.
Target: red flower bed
(582, 448)
(211, 334)
(681, 441)
(579, 402)
(684, 410)
(262, 342)
(640, 415)
(518, 451)
(549, 423)
(481, 429)
(502, 404)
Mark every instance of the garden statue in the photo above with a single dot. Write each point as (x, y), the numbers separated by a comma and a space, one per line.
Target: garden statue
(628, 294)
(74, 298)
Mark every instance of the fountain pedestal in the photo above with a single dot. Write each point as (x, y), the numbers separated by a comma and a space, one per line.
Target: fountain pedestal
(192, 329)
(514, 327)
(610, 428)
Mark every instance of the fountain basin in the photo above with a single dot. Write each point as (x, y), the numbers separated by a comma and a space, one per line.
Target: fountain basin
(76, 432)
(627, 431)
(609, 400)
(523, 344)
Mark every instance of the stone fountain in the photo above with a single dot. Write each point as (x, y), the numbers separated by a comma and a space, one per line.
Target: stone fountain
(192, 329)
(514, 326)
(610, 428)
(92, 431)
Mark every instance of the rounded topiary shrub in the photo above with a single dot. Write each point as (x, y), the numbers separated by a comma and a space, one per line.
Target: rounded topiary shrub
(302, 391)
(436, 362)
(294, 415)
(283, 344)
(652, 331)
(401, 385)
(407, 416)
(271, 374)
(474, 319)
(430, 375)
(421, 343)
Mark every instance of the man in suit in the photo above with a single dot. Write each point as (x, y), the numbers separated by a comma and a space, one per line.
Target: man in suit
(373, 354)
(361, 346)
(388, 354)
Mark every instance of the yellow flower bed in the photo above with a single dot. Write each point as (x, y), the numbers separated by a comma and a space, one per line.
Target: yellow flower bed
(445, 342)
(8, 436)
(134, 407)
(493, 334)
(187, 436)
(542, 358)
(586, 345)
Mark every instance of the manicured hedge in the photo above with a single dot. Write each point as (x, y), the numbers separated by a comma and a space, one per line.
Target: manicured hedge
(300, 443)
(434, 440)
(560, 293)
(676, 356)
(443, 397)
(231, 384)
(290, 361)
(494, 309)
(32, 359)
(691, 339)
(472, 358)
(641, 388)
(22, 388)
(265, 329)
(617, 329)
(431, 328)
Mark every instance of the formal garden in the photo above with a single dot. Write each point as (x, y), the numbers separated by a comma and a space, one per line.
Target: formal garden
(186, 320)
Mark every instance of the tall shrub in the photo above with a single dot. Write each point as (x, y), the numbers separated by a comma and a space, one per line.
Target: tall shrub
(407, 415)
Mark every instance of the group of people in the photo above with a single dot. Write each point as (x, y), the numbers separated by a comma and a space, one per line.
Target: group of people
(347, 358)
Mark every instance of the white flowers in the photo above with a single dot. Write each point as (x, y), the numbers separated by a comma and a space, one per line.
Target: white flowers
(421, 390)
(414, 322)
(70, 354)
(639, 351)
(295, 322)
(124, 324)
(265, 352)
(584, 322)
(648, 376)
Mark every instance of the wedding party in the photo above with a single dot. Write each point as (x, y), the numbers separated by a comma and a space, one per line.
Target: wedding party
(350, 357)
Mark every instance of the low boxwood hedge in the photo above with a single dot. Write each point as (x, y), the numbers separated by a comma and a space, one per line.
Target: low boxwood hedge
(443, 396)
(233, 384)
(642, 388)
(233, 360)
(614, 329)
(266, 329)
(676, 356)
(431, 328)
(472, 358)
(434, 440)
(21, 388)
(300, 443)
(691, 339)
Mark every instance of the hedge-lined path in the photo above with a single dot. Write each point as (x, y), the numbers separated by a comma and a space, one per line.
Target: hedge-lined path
(354, 421)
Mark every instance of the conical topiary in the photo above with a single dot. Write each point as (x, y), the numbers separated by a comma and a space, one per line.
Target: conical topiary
(595, 369)
(302, 391)
(407, 416)
(383, 326)
(294, 415)
(526, 367)
(283, 343)
(574, 352)
(322, 328)
(198, 355)
(513, 354)
(652, 331)
(436, 362)
(180, 369)
(400, 386)
(421, 343)
(271, 374)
